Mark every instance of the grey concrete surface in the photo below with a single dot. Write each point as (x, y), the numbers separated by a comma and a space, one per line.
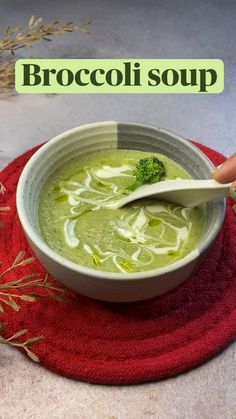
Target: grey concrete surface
(123, 29)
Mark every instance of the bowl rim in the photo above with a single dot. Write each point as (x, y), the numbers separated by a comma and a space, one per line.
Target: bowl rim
(40, 244)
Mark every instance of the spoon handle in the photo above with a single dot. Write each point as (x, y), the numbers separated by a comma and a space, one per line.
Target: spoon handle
(188, 193)
(196, 192)
(206, 191)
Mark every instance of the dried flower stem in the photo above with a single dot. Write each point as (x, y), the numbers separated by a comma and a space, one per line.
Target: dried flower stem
(9, 298)
(34, 32)
(3, 209)
(24, 345)
(19, 37)
(2, 188)
(2, 191)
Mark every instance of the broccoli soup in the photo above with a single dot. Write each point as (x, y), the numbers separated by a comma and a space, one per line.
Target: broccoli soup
(77, 222)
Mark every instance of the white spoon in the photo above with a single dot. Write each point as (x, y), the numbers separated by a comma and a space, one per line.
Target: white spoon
(186, 193)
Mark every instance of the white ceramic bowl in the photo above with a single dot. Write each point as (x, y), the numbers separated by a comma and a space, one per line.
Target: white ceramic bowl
(109, 286)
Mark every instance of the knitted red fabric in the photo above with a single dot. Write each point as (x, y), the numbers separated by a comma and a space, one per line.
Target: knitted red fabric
(123, 343)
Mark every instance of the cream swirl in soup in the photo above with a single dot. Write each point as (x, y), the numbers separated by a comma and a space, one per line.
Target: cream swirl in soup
(77, 222)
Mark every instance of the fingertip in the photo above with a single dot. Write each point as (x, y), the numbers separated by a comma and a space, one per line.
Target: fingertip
(216, 174)
(233, 190)
(227, 171)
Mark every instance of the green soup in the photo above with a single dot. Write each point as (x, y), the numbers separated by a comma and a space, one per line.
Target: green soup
(76, 221)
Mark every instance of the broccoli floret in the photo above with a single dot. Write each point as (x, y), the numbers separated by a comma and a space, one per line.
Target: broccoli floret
(150, 170)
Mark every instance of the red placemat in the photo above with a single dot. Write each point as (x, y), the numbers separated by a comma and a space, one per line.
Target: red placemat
(116, 343)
